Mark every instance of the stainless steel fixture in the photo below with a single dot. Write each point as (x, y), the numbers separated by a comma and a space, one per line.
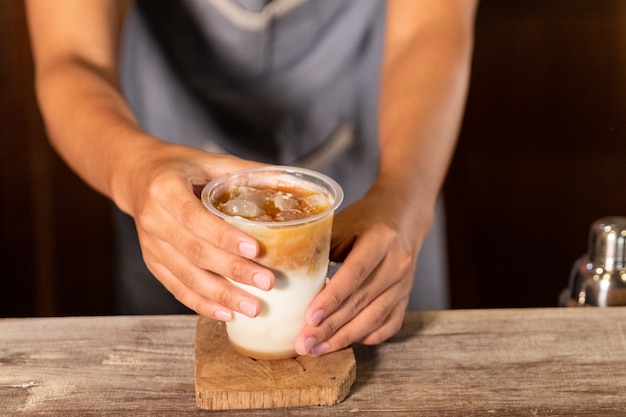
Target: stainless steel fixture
(598, 278)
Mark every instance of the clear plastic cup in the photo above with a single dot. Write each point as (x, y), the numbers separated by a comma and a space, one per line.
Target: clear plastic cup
(295, 249)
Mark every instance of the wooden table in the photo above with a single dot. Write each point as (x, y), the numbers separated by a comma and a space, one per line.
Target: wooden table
(518, 362)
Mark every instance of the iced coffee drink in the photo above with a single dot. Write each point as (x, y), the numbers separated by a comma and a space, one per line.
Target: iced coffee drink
(289, 211)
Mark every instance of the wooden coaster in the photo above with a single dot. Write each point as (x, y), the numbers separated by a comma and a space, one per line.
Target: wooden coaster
(226, 379)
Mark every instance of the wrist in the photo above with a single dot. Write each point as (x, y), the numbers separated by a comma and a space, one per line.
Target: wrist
(411, 202)
(137, 153)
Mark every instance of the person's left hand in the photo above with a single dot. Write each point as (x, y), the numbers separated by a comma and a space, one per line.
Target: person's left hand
(378, 239)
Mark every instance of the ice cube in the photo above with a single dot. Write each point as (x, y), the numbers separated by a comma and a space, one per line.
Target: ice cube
(316, 202)
(241, 207)
(284, 202)
(254, 195)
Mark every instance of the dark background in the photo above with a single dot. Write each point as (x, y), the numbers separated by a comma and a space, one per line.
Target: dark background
(541, 156)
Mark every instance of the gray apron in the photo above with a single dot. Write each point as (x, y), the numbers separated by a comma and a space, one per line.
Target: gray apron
(289, 82)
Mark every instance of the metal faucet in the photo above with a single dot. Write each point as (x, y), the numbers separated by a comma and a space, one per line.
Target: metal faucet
(598, 278)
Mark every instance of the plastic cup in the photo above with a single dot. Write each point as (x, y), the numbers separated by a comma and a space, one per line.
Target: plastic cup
(297, 251)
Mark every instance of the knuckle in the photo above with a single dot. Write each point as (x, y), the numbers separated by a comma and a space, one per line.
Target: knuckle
(222, 297)
(360, 272)
(203, 309)
(203, 302)
(359, 300)
(189, 214)
(377, 320)
(238, 269)
(222, 292)
(330, 329)
(332, 299)
(386, 233)
(187, 278)
(181, 293)
(343, 340)
(386, 328)
(375, 338)
(396, 325)
(335, 296)
(223, 235)
(144, 219)
(152, 188)
(197, 252)
(403, 254)
(405, 261)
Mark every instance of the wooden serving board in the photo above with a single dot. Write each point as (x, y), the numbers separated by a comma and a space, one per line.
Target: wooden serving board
(226, 379)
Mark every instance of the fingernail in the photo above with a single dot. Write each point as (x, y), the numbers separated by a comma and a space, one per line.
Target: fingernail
(248, 249)
(320, 349)
(248, 308)
(308, 345)
(223, 315)
(261, 281)
(316, 318)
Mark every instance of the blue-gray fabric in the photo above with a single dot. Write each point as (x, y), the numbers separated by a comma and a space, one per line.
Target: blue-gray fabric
(291, 86)
(274, 95)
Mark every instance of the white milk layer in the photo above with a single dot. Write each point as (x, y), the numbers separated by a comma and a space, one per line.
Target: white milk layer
(298, 256)
(282, 314)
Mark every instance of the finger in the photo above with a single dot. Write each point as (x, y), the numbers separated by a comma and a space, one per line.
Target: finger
(177, 202)
(196, 219)
(369, 299)
(227, 264)
(391, 325)
(204, 292)
(357, 267)
(375, 324)
(359, 331)
(209, 253)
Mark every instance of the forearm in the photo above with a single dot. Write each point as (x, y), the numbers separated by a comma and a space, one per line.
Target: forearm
(75, 49)
(82, 113)
(424, 86)
(90, 124)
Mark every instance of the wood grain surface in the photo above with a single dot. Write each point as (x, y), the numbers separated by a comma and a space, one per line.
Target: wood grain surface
(228, 380)
(517, 362)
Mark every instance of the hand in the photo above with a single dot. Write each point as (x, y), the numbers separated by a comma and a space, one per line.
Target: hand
(186, 248)
(378, 239)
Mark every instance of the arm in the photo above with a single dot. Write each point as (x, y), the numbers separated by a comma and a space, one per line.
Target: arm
(424, 85)
(75, 46)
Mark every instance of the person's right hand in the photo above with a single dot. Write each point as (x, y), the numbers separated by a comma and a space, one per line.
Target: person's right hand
(188, 249)
(76, 50)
